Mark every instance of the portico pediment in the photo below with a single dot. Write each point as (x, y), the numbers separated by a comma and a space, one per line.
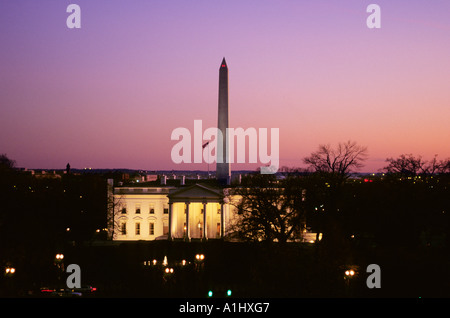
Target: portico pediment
(196, 193)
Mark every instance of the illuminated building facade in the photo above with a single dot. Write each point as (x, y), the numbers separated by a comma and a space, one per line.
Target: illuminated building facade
(167, 212)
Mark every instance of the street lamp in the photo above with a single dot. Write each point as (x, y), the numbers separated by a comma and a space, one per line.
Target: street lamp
(349, 273)
(168, 272)
(199, 261)
(9, 271)
(59, 262)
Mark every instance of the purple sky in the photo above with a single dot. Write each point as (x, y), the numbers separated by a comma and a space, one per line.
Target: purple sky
(108, 95)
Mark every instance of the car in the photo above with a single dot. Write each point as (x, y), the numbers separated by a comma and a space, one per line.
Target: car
(66, 293)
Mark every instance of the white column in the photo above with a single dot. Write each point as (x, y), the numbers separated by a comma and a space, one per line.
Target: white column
(205, 237)
(222, 221)
(170, 221)
(188, 233)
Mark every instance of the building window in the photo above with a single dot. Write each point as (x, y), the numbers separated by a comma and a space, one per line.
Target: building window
(218, 230)
(165, 228)
(123, 228)
(166, 209)
(152, 209)
(218, 210)
(124, 210)
(152, 228)
(138, 209)
(138, 228)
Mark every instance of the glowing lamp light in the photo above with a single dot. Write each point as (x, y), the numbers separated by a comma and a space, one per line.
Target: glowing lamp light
(59, 256)
(210, 293)
(350, 272)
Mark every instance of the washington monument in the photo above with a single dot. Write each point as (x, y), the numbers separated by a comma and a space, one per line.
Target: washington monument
(223, 171)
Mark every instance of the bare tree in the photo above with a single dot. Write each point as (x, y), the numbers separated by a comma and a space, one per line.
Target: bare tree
(332, 166)
(267, 209)
(407, 165)
(338, 161)
(6, 163)
(114, 208)
(445, 166)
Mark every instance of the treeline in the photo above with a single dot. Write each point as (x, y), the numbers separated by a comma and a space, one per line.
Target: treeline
(408, 204)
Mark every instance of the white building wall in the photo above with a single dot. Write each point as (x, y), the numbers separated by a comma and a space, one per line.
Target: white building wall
(147, 204)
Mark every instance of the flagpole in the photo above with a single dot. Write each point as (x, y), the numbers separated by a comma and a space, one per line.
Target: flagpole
(207, 144)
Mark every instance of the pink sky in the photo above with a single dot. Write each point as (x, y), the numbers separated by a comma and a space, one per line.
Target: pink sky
(108, 95)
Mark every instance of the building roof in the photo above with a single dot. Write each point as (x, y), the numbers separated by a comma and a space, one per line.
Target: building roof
(196, 193)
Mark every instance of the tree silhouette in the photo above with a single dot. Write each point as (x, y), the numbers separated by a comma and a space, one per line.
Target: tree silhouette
(331, 167)
(407, 165)
(268, 209)
(339, 161)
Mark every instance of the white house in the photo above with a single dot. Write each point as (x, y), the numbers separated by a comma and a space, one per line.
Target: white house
(162, 212)
(167, 212)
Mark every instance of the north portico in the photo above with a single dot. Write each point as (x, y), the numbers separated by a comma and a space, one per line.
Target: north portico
(197, 211)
